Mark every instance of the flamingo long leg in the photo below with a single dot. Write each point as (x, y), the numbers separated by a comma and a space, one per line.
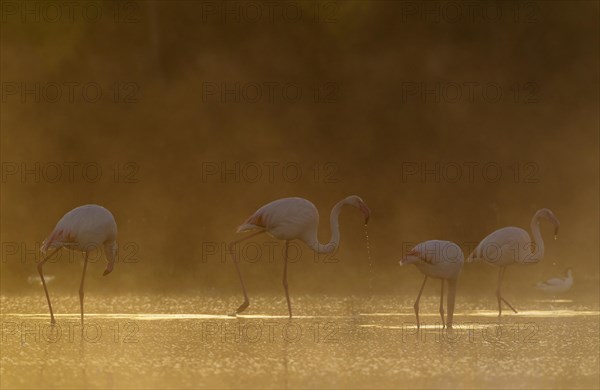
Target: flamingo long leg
(499, 299)
(39, 268)
(442, 305)
(85, 262)
(231, 248)
(499, 294)
(285, 282)
(451, 301)
(502, 298)
(416, 306)
(509, 305)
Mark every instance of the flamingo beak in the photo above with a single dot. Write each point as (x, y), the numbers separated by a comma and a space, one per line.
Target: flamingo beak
(366, 211)
(108, 269)
(556, 233)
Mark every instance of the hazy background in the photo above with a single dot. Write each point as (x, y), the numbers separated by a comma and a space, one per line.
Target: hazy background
(155, 132)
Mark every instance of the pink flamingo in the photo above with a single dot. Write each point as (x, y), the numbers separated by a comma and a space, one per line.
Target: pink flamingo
(85, 228)
(288, 219)
(441, 260)
(512, 245)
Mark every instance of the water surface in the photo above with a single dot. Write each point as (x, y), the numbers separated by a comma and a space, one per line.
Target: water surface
(189, 341)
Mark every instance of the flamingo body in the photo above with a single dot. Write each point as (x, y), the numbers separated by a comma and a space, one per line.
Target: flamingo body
(513, 245)
(436, 259)
(290, 219)
(439, 260)
(285, 219)
(87, 228)
(504, 246)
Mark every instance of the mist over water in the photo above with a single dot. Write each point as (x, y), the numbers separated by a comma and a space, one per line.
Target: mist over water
(449, 119)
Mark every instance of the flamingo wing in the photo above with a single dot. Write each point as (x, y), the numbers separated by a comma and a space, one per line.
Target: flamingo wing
(424, 256)
(418, 253)
(502, 247)
(285, 218)
(255, 221)
(59, 237)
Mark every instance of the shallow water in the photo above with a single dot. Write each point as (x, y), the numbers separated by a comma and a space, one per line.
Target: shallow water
(190, 341)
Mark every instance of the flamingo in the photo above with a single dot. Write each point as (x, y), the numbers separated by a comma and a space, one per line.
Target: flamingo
(512, 245)
(85, 229)
(440, 260)
(289, 219)
(557, 285)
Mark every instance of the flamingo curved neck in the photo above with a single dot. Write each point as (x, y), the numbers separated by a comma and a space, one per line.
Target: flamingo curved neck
(335, 232)
(537, 252)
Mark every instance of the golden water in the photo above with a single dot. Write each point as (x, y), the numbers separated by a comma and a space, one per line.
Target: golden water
(188, 341)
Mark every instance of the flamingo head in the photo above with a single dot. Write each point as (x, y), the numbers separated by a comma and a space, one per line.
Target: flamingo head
(411, 257)
(110, 251)
(357, 202)
(108, 269)
(569, 272)
(549, 215)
